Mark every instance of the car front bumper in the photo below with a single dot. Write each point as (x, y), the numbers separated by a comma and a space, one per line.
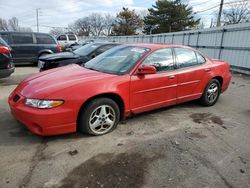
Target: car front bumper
(6, 72)
(43, 122)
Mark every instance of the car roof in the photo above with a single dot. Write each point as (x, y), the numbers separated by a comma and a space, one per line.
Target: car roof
(104, 43)
(23, 32)
(153, 46)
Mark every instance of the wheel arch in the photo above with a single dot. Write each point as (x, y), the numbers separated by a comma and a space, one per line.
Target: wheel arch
(117, 98)
(219, 78)
(45, 51)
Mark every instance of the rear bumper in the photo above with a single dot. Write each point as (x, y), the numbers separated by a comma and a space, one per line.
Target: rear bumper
(6, 72)
(226, 82)
(44, 122)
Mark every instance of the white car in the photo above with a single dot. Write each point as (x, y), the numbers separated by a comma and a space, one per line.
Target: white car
(66, 40)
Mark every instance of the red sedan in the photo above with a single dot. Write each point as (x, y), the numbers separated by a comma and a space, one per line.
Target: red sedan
(125, 80)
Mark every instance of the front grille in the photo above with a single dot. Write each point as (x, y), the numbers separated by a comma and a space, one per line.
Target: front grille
(16, 98)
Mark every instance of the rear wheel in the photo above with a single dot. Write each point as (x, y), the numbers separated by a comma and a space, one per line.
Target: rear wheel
(99, 117)
(211, 93)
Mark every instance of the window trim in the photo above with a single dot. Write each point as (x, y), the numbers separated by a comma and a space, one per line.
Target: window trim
(195, 52)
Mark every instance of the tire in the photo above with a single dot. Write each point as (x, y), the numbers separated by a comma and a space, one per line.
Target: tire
(211, 93)
(99, 117)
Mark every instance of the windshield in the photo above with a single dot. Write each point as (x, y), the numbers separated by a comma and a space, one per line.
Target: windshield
(86, 49)
(118, 60)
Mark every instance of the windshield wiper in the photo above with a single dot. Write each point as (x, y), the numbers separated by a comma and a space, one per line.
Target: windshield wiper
(90, 68)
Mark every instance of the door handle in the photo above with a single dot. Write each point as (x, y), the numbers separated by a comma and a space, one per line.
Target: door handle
(207, 70)
(171, 76)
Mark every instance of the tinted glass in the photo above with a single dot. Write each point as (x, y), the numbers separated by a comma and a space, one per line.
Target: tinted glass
(62, 37)
(87, 49)
(22, 38)
(161, 59)
(104, 48)
(118, 60)
(44, 39)
(185, 57)
(71, 37)
(200, 59)
(2, 42)
(5, 37)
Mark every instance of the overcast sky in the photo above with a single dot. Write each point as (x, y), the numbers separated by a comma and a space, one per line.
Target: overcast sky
(59, 13)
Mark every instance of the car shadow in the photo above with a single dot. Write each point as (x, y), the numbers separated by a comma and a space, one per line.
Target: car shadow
(19, 134)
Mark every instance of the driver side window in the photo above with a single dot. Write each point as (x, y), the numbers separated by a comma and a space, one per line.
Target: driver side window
(161, 59)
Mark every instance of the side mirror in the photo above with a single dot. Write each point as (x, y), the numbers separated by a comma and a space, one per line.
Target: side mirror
(146, 70)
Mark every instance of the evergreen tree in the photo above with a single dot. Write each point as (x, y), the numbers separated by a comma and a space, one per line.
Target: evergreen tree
(169, 16)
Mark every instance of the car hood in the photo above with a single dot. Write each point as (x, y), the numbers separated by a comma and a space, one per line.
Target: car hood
(46, 83)
(59, 56)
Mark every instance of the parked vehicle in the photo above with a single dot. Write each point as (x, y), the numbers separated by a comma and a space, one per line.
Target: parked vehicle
(78, 56)
(128, 79)
(28, 46)
(77, 45)
(66, 40)
(6, 63)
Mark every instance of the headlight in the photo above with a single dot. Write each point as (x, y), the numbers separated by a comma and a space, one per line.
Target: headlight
(36, 103)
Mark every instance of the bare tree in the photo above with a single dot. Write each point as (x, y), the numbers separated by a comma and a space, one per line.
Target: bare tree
(238, 13)
(13, 24)
(80, 27)
(109, 22)
(96, 24)
(57, 31)
(3, 25)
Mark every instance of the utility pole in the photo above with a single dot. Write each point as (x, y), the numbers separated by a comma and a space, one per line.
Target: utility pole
(37, 19)
(220, 12)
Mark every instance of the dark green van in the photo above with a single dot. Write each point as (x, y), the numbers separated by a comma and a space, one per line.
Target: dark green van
(27, 47)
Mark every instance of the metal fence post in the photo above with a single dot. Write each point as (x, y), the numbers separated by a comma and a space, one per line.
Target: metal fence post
(197, 41)
(221, 42)
(183, 38)
(189, 38)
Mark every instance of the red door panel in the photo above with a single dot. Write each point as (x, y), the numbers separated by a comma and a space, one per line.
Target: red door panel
(152, 91)
(190, 83)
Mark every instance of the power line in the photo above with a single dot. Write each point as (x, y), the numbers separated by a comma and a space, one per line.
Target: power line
(216, 6)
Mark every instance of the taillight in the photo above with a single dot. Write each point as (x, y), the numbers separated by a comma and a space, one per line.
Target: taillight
(4, 50)
(59, 48)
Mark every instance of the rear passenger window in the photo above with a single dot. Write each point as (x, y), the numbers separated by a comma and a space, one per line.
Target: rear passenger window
(62, 37)
(72, 37)
(22, 38)
(5, 37)
(200, 59)
(44, 39)
(185, 57)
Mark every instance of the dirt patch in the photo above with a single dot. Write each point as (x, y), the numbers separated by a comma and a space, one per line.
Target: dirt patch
(207, 118)
(106, 170)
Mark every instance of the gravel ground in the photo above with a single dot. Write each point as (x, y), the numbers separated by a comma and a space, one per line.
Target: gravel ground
(182, 146)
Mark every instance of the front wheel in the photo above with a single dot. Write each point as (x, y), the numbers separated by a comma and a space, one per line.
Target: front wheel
(211, 93)
(99, 117)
